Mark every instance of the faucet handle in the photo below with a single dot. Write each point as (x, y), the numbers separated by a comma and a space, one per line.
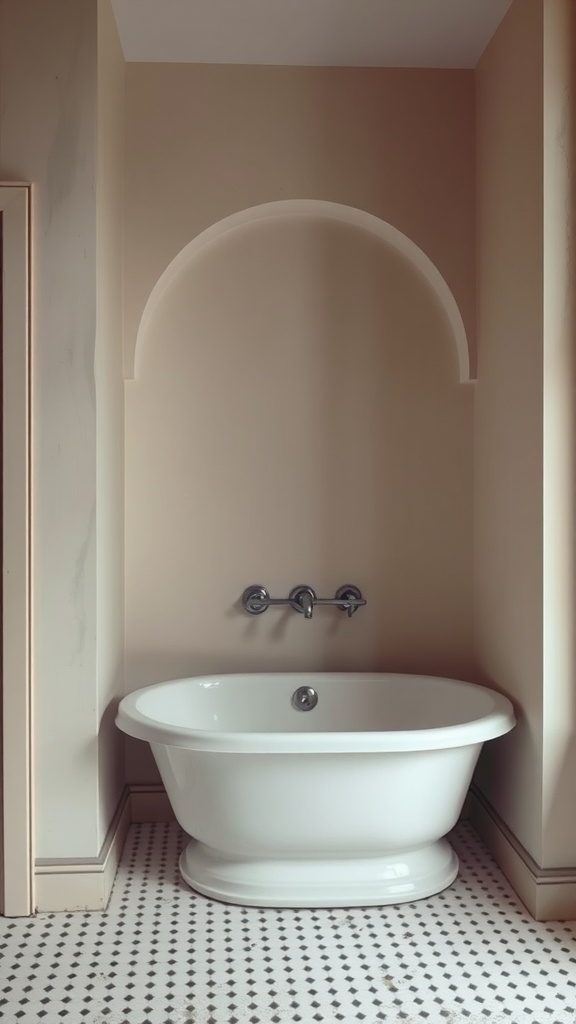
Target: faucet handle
(348, 594)
(256, 599)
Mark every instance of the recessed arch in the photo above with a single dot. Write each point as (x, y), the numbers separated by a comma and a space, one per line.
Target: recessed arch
(318, 209)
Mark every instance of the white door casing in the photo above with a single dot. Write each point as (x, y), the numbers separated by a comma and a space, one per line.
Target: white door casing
(17, 876)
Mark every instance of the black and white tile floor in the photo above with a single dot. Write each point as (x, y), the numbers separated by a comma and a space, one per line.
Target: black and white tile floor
(162, 955)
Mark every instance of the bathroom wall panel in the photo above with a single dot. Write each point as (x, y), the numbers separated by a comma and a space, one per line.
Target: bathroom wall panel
(559, 552)
(524, 430)
(508, 430)
(48, 137)
(109, 413)
(297, 418)
(60, 129)
(313, 386)
(207, 141)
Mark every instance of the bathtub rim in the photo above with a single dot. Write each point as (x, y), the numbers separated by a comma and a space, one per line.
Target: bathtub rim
(497, 722)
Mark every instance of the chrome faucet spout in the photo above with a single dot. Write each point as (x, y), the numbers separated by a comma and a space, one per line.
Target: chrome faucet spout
(302, 600)
(307, 603)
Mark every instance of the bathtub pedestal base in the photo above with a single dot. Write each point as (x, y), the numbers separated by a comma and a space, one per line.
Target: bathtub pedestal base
(400, 877)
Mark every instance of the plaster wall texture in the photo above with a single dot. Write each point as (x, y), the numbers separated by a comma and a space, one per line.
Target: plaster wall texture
(109, 412)
(297, 415)
(524, 421)
(559, 764)
(205, 141)
(52, 134)
(48, 137)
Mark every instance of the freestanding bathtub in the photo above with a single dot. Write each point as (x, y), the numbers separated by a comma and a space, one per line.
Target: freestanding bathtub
(344, 803)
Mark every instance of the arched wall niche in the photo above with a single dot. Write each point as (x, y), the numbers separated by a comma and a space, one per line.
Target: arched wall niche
(298, 418)
(317, 209)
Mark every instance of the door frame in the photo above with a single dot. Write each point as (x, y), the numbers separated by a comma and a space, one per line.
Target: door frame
(16, 854)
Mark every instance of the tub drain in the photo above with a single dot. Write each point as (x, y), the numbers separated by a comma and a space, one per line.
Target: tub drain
(304, 698)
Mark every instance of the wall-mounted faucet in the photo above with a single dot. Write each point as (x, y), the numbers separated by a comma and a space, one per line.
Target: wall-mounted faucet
(302, 600)
(348, 598)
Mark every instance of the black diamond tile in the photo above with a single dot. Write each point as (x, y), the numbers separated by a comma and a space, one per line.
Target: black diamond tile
(161, 954)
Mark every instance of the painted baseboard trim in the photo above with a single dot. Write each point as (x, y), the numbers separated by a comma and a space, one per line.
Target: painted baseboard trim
(548, 893)
(86, 883)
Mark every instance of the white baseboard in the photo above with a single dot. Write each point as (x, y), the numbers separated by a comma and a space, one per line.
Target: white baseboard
(83, 884)
(548, 893)
(86, 884)
(66, 885)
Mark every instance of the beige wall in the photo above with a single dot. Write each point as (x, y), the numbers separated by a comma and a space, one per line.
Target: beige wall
(48, 75)
(109, 412)
(53, 118)
(508, 427)
(297, 415)
(559, 761)
(206, 141)
(524, 454)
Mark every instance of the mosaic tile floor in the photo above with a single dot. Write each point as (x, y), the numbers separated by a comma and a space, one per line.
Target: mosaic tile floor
(162, 955)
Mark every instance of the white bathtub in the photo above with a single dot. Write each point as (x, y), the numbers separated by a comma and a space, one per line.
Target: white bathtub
(342, 805)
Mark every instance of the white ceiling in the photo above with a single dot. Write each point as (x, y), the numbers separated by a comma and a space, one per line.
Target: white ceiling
(377, 33)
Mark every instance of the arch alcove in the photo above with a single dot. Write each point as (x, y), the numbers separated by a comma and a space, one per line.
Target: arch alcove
(318, 210)
(297, 417)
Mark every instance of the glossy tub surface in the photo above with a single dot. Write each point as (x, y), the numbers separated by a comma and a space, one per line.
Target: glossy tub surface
(343, 805)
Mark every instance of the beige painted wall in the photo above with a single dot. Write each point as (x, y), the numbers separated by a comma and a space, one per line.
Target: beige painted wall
(524, 448)
(48, 75)
(206, 141)
(109, 413)
(559, 627)
(297, 416)
(52, 121)
(508, 425)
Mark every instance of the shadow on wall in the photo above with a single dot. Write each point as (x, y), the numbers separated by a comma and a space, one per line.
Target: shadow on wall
(298, 419)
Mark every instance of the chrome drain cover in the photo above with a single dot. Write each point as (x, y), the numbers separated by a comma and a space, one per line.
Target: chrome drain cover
(304, 698)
